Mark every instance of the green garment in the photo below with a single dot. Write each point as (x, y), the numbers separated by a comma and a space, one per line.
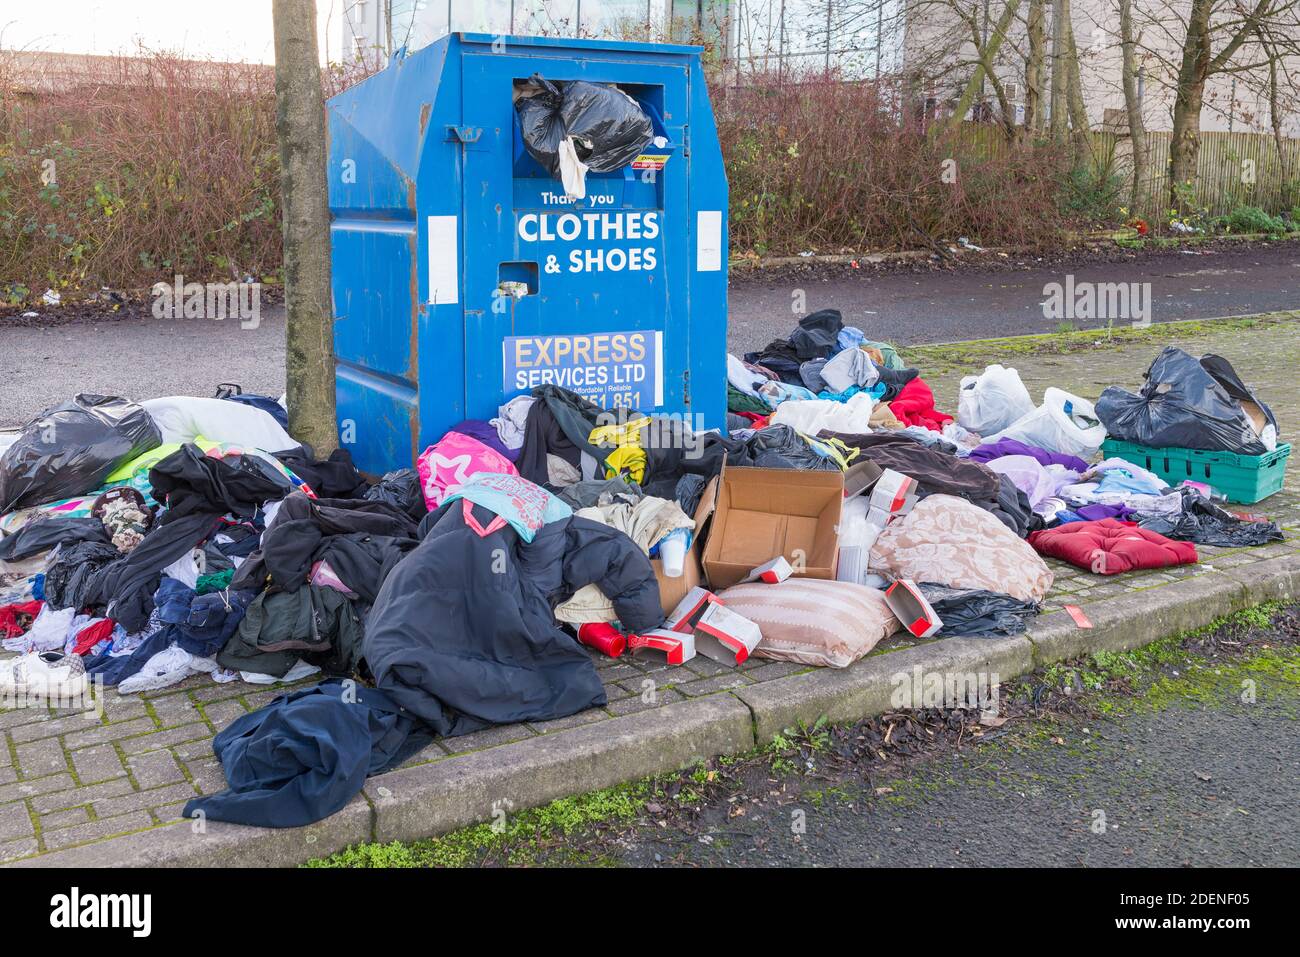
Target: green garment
(279, 627)
(738, 401)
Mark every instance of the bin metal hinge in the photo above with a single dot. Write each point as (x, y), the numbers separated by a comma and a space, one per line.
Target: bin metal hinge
(464, 134)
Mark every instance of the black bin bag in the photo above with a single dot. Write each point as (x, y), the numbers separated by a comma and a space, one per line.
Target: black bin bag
(70, 449)
(608, 127)
(1188, 403)
(401, 489)
(540, 123)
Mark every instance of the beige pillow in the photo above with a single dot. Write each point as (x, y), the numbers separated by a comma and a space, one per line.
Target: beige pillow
(812, 621)
(948, 541)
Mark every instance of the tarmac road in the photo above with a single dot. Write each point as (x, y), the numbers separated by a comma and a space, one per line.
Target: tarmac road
(1198, 786)
(140, 358)
(976, 302)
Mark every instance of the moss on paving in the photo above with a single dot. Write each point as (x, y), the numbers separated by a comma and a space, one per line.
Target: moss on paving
(1165, 673)
(510, 839)
(973, 355)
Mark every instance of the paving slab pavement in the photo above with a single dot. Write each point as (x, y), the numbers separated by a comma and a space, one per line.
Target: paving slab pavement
(108, 790)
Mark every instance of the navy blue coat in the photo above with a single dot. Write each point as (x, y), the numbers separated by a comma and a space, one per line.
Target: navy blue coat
(463, 632)
(307, 754)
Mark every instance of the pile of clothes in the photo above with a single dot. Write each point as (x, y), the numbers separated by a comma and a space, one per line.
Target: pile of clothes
(1031, 466)
(144, 543)
(142, 551)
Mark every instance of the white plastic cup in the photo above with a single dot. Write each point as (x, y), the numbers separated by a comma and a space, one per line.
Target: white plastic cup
(672, 552)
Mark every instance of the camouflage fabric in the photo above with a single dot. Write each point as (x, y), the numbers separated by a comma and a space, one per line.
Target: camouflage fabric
(125, 515)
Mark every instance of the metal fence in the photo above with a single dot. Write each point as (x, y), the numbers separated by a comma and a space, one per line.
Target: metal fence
(1232, 169)
(857, 38)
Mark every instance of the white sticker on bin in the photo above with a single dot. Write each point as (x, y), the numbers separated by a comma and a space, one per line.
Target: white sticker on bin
(444, 266)
(708, 237)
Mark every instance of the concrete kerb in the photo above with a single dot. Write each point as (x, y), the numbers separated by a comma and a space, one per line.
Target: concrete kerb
(431, 799)
(868, 687)
(1276, 579)
(1137, 618)
(455, 792)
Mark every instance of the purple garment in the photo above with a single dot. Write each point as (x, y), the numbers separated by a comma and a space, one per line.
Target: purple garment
(486, 433)
(1093, 513)
(1002, 447)
(1031, 477)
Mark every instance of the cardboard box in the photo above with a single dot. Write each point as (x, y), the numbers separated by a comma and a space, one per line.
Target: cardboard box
(717, 631)
(677, 647)
(725, 636)
(773, 573)
(688, 611)
(894, 495)
(765, 513)
(910, 607)
(673, 590)
(860, 477)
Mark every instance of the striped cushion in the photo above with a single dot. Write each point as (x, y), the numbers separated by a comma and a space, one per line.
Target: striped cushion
(814, 622)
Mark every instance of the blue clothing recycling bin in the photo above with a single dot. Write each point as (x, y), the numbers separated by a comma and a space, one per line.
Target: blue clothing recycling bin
(463, 275)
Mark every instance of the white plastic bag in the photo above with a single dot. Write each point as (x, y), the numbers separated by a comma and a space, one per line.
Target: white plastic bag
(182, 418)
(857, 535)
(573, 171)
(992, 400)
(811, 416)
(1064, 423)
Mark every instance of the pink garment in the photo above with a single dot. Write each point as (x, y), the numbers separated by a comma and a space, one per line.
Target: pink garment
(1035, 480)
(452, 461)
(323, 576)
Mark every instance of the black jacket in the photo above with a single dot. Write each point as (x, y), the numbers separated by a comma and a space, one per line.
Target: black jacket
(361, 540)
(463, 634)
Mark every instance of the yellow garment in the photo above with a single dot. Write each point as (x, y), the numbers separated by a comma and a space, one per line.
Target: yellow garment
(629, 433)
(151, 458)
(629, 460)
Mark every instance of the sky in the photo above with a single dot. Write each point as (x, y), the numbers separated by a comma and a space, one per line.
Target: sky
(212, 29)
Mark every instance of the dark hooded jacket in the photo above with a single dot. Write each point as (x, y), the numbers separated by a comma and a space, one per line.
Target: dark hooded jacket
(305, 755)
(463, 633)
(361, 541)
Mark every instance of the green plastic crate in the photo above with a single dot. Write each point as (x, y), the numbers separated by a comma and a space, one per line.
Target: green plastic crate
(1242, 478)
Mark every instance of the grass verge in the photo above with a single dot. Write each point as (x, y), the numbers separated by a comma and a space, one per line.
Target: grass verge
(941, 358)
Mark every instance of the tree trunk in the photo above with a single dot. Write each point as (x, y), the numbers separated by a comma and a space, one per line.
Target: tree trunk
(1185, 139)
(1132, 105)
(988, 55)
(300, 126)
(1289, 194)
(1074, 86)
(1035, 25)
(1060, 123)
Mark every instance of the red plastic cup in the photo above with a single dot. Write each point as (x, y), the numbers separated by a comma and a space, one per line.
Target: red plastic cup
(604, 637)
